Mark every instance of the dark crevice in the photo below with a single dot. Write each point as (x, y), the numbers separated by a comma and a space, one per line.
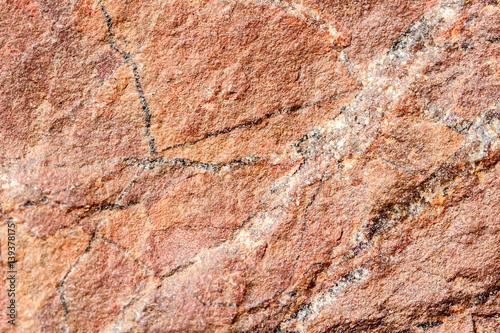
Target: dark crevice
(191, 227)
(152, 162)
(60, 285)
(128, 59)
(97, 207)
(34, 202)
(304, 227)
(474, 326)
(206, 166)
(453, 47)
(403, 40)
(220, 304)
(91, 209)
(29, 203)
(62, 299)
(287, 110)
(175, 270)
(426, 325)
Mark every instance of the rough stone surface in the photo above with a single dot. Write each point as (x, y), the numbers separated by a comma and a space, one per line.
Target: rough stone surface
(251, 166)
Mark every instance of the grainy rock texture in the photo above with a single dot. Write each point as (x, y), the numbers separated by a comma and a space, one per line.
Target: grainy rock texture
(251, 165)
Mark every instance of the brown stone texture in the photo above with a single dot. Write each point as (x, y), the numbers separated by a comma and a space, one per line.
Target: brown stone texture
(250, 165)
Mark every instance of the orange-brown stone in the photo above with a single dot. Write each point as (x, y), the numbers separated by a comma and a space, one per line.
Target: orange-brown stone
(250, 166)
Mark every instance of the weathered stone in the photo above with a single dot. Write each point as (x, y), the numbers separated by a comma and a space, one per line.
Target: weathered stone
(250, 166)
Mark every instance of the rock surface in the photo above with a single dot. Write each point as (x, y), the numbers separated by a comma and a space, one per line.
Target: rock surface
(251, 166)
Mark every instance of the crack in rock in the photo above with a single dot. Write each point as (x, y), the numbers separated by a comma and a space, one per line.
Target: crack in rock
(128, 59)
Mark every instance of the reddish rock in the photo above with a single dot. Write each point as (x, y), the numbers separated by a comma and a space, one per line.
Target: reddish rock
(250, 166)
